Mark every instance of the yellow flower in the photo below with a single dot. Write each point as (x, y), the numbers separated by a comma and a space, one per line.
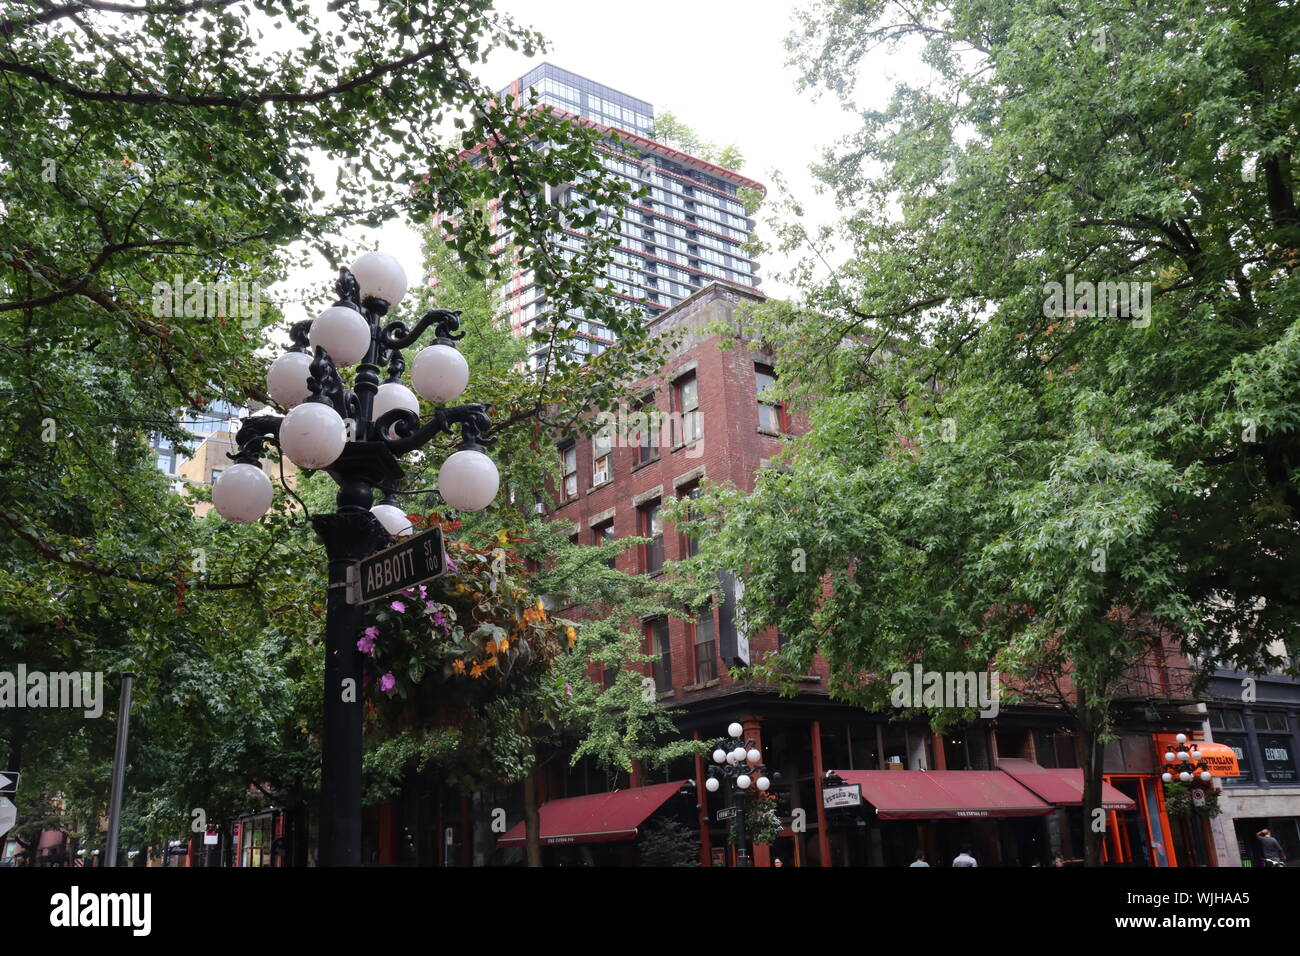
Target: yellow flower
(504, 645)
(458, 666)
(476, 670)
(572, 635)
(491, 647)
(490, 662)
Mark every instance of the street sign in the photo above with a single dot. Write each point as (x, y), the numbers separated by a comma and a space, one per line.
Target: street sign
(726, 813)
(9, 781)
(394, 569)
(835, 797)
(8, 815)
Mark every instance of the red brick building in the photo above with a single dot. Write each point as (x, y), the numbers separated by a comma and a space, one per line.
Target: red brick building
(703, 416)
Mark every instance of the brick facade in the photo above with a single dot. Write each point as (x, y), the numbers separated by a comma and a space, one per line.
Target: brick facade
(731, 448)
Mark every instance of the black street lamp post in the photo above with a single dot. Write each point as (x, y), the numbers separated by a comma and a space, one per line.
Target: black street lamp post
(356, 436)
(738, 765)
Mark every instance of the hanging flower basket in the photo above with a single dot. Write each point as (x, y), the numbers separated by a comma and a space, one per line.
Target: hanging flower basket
(471, 634)
(1179, 801)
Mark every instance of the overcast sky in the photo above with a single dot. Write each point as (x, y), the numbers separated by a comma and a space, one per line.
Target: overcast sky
(719, 66)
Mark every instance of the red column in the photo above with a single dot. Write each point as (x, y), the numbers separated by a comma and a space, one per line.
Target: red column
(466, 833)
(706, 847)
(635, 775)
(936, 744)
(387, 834)
(754, 731)
(819, 771)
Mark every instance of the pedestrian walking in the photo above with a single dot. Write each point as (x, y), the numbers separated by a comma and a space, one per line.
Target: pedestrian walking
(920, 859)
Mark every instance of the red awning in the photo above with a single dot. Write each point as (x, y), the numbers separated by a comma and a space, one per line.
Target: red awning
(596, 818)
(1062, 788)
(944, 794)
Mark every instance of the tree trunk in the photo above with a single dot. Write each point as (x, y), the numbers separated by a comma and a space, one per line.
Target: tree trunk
(1092, 722)
(532, 821)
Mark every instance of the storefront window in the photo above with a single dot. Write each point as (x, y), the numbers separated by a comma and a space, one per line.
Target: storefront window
(255, 841)
(1159, 836)
(1279, 758)
(1240, 745)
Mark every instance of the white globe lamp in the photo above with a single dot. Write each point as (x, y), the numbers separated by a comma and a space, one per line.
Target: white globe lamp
(711, 785)
(393, 519)
(393, 395)
(719, 756)
(743, 781)
(380, 276)
(313, 435)
(440, 373)
(754, 756)
(242, 493)
(763, 783)
(735, 730)
(343, 333)
(468, 480)
(286, 379)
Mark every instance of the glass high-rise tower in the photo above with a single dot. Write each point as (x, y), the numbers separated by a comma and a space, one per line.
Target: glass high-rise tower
(689, 231)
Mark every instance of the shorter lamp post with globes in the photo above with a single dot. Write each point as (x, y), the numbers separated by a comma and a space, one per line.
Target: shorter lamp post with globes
(1187, 763)
(738, 764)
(356, 436)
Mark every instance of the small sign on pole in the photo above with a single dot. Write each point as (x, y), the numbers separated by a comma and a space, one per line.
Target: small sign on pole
(8, 815)
(9, 781)
(394, 569)
(833, 798)
(726, 813)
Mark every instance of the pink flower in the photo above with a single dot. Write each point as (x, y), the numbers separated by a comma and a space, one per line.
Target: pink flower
(568, 689)
(424, 594)
(398, 606)
(387, 683)
(367, 644)
(372, 632)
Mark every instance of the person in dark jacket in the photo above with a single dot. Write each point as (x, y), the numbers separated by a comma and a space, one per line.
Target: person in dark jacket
(1269, 846)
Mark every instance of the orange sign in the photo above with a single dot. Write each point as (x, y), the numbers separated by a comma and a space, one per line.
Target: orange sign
(1220, 759)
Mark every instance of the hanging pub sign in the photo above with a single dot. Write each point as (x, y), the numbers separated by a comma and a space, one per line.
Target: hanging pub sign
(1219, 759)
(834, 798)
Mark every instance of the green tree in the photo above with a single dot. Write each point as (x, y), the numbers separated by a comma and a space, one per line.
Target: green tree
(163, 149)
(671, 131)
(995, 477)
